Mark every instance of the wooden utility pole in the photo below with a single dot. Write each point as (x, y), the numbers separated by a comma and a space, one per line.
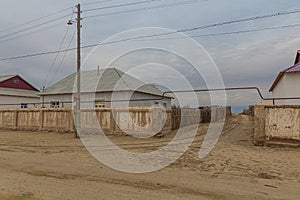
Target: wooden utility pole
(77, 112)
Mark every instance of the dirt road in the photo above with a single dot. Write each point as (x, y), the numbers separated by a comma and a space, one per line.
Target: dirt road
(42, 166)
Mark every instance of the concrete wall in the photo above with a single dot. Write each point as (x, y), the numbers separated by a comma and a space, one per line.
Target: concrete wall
(276, 123)
(288, 86)
(37, 119)
(144, 121)
(139, 121)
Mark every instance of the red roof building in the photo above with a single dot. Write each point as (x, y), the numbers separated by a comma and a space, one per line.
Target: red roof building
(287, 83)
(15, 92)
(15, 82)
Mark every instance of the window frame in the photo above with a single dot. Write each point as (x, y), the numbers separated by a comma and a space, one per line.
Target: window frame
(54, 104)
(24, 105)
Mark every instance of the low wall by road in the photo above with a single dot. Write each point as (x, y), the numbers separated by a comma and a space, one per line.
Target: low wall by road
(37, 119)
(277, 124)
(112, 121)
(126, 120)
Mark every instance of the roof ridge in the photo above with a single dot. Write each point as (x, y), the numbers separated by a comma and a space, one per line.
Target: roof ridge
(291, 67)
(117, 71)
(286, 69)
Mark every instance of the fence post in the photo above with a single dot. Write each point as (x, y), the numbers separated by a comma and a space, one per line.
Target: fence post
(259, 125)
(41, 120)
(15, 126)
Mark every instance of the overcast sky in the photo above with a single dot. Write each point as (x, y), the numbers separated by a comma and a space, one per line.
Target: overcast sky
(245, 59)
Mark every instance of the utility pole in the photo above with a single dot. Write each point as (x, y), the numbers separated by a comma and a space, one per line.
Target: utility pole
(77, 96)
(77, 112)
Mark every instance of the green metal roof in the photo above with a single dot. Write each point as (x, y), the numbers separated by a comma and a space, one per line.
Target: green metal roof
(104, 80)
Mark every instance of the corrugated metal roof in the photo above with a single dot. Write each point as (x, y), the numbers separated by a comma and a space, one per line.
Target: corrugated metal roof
(18, 92)
(4, 78)
(108, 80)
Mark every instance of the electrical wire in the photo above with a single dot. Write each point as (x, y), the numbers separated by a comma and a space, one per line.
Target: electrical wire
(146, 8)
(35, 20)
(226, 33)
(62, 60)
(97, 2)
(121, 5)
(56, 56)
(35, 26)
(159, 34)
(60, 48)
(241, 20)
(37, 54)
(30, 33)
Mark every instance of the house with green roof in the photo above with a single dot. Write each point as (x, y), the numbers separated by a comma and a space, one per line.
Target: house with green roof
(108, 87)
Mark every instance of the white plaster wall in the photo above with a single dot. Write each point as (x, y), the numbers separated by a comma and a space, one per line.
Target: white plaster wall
(278, 91)
(60, 98)
(288, 86)
(88, 99)
(4, 99)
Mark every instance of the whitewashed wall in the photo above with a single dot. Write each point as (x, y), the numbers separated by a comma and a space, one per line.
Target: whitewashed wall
(60, 98)
(288, 86)
(4, 99)
(88, 99)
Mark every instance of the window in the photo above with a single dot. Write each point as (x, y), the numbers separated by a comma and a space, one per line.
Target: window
(54, 104)
(24, 105)
(16, 81)
(165, 105)
(100, 103)
(156, 103)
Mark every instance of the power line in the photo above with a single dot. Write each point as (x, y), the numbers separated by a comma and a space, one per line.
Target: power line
(60, 48)
(121, 5)
(30, 33)
(226, 33)
(34, 26)
(97, 2)
(38, 19)
(241, 20)
(147, 8)
(37, 54)
(62, 60)
(56, 57)
(160, 34)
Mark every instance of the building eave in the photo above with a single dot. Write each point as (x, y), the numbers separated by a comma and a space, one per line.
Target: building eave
(65, 93)
(27, 96)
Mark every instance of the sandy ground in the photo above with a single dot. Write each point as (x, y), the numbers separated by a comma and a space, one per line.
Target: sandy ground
(39, 165)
